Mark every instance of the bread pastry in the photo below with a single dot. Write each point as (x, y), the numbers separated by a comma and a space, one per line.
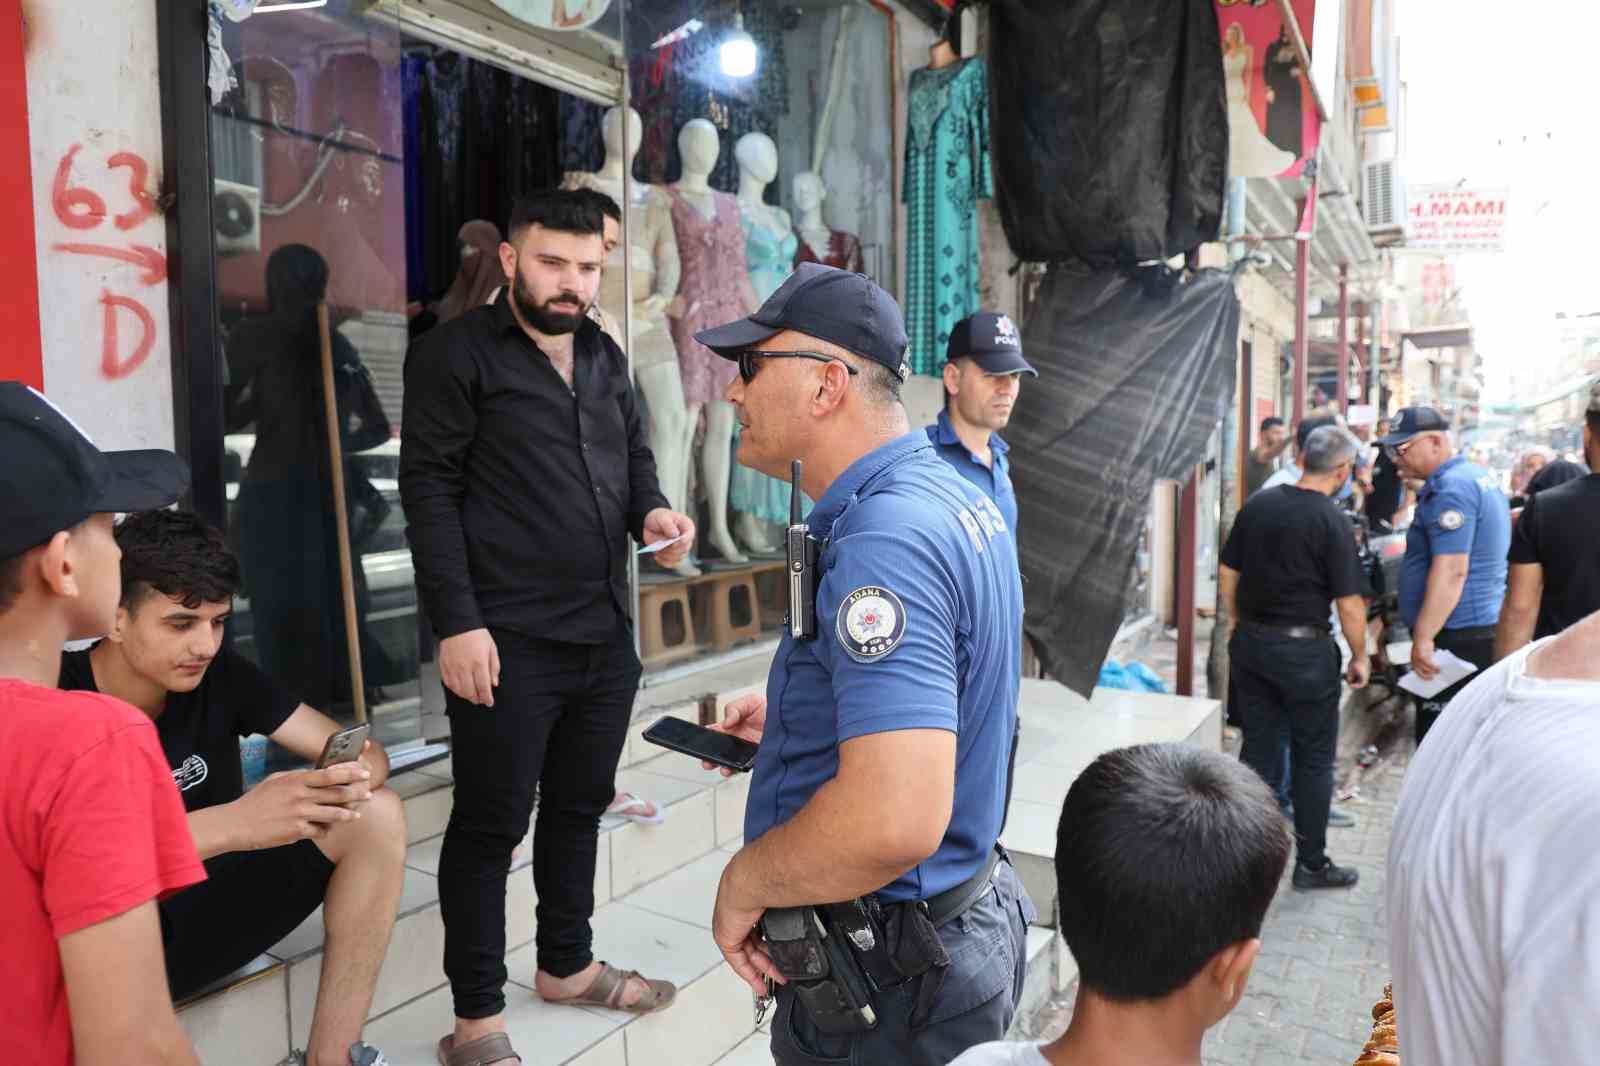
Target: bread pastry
(1383, 1048)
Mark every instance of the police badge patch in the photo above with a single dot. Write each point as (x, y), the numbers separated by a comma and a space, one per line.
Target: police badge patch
(871, 622)
(1450, 521)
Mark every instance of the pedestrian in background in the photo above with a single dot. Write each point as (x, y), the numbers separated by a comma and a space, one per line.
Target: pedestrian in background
(1261, 462)
(1555, 551)
(1288, 560)
(1453, 577)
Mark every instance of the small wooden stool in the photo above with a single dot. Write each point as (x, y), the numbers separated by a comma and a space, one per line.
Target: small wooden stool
(654, 601)
(725, 633)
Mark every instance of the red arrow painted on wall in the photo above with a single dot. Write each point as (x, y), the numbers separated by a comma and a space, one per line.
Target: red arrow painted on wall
(140, 255)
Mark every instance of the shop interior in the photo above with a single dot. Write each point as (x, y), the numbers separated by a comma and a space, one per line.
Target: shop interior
(363, 161)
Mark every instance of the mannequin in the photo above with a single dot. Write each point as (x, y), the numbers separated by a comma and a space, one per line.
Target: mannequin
(770, 246)
(819, 243)
(715, 290)
(654, 257)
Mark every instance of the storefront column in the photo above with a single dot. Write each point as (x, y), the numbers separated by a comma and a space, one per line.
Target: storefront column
(1302, 297)
(1344, 338)
(1184, 601)
(22, 358)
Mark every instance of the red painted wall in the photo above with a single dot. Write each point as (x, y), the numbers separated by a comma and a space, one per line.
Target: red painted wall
(20, 354)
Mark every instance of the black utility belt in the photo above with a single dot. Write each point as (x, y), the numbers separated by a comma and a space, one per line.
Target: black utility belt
(1465, 633)
(838, 956)
(1287, 632)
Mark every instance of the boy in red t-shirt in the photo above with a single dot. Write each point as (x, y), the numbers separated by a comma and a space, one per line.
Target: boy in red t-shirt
(92, 830)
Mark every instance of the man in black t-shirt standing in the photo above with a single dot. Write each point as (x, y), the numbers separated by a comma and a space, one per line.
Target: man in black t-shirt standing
(1290, 557)
(333, 838)
(1554, 577)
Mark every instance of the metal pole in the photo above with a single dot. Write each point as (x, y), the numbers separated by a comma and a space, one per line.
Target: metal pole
(1302, 340)
(341, 517)
(1374, 357)
(1344, 338)
(1188, 549)
(1361, 356)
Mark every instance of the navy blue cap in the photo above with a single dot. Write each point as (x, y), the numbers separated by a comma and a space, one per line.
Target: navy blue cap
(1413, 420)
(829, 304)
(991, 341)
(54, 477)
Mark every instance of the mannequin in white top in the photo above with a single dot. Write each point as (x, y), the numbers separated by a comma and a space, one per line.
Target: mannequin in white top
(654, 258)
(759, 501)
(705, 303)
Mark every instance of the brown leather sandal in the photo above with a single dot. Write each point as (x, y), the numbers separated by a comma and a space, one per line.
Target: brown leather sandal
(607, 991)
(479, 1052)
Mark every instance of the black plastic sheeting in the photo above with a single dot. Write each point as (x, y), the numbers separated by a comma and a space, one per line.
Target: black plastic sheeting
(1135, 373)
(1109, 127)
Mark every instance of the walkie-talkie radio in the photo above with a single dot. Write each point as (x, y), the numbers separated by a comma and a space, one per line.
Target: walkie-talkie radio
(802, 547)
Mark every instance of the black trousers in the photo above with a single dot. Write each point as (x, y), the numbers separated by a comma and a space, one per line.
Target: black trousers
(1476, 646)
(559, 720)
(1291, 687)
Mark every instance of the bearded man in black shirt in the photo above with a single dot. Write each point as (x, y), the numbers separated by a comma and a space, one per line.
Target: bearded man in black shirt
(523, 471)
(333, 838)
(1290, 557)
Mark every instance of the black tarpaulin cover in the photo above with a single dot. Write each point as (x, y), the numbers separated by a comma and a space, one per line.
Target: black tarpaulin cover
(1109, 127)
(1135, 373)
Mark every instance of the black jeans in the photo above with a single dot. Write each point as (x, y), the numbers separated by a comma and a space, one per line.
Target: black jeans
(1476, 646)
(1291, 686)
(559, 720)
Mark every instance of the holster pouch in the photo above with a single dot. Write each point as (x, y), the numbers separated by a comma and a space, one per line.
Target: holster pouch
(826, 977)
(918, 953)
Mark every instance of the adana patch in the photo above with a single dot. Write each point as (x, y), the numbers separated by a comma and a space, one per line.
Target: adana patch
(1451, 521)
(871, 622)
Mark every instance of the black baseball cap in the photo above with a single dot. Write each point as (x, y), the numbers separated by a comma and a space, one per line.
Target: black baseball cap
(829, 304)
(53, 477)
(991, 341)
(1413, 420)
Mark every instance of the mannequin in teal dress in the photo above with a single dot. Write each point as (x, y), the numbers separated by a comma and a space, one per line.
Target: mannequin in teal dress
(946, 174)
(770, 247)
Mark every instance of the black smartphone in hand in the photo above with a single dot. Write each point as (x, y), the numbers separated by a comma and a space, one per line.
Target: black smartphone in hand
(708, 745)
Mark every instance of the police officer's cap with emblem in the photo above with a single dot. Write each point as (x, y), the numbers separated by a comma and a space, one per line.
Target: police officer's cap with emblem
(827, 303)
(991, 341)
(1413, 420)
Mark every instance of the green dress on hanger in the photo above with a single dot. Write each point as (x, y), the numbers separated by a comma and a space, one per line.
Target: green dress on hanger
(946, 174)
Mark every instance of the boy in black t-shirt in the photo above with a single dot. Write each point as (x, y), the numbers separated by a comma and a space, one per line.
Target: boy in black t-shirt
(334, 838)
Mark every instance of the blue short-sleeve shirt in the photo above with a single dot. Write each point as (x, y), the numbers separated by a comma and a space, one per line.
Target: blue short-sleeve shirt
(994, 479)
(919, 623)
(1460, 511)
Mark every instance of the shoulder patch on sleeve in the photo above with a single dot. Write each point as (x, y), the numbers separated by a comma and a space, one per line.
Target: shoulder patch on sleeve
(870, 624)
(1451, 520)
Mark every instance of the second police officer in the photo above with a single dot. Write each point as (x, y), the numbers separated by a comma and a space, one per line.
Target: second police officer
(880, 779)
(1453, 578)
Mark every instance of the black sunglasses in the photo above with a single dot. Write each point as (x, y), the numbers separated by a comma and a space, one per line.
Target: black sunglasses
(748, 357)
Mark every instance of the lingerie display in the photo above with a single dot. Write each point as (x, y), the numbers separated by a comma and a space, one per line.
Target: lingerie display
(712, 251)
(844, 252)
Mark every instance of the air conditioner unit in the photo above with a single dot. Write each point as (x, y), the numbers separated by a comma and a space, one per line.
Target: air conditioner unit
(1383, 200)
(236, 215)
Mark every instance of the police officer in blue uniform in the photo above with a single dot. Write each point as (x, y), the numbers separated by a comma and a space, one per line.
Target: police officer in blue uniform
(982, 380)
(879, 780)
(1453, 577)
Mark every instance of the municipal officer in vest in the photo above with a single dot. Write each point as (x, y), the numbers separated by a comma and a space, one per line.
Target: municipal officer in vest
(883, 738)
(1453, 578)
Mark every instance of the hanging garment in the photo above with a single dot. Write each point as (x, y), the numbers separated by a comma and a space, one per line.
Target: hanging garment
(844, 252)
(712, 253)
(771, 259)
(946, 173)
(1119, 156)
(1134, 375)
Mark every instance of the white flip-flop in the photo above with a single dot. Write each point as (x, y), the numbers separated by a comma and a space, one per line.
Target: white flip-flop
(633, 810)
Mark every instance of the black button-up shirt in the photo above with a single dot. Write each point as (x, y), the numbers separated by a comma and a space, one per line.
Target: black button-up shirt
(519, 494)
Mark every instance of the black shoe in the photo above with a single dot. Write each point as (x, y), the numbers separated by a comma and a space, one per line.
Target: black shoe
(1326, 876)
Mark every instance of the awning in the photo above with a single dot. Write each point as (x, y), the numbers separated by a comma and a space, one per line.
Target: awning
(1561, 392)
(1457, 335)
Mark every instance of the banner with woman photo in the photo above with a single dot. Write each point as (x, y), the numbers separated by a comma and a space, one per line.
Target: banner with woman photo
(1272, 120)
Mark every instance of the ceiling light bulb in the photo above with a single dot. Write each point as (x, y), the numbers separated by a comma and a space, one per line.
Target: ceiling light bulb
(739, 52)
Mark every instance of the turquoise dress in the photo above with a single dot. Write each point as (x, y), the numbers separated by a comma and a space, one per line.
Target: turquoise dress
(946, 174)
(770, 258)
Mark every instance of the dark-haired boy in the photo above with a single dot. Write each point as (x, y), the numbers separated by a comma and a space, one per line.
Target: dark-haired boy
(333, 838)
(1167, 857)
(91, 829)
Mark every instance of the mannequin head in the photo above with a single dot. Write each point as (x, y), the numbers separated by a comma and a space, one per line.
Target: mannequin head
(809, 192)
(611, 131)
(697, 144)
(757, 156)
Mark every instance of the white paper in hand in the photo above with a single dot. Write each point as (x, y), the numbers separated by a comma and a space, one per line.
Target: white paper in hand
(1451, 669)
(658, 545)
